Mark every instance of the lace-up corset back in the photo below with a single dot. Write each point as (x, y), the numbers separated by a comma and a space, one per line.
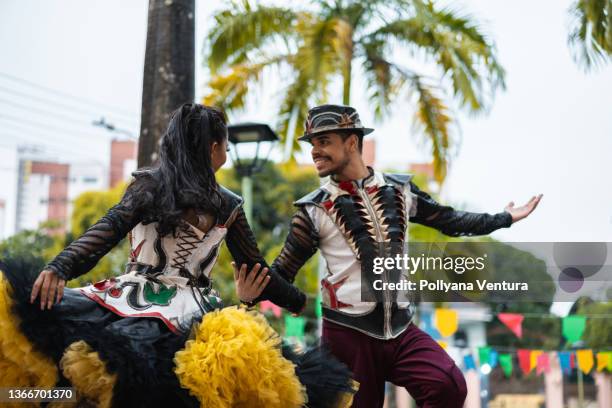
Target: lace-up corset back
(191, 251)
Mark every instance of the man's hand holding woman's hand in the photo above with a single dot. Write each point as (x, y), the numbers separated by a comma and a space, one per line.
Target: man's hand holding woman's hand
(50, 287)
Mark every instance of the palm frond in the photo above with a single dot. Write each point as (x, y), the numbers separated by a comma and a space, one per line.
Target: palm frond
(456, 45)
(590, 35)
(229, 91)
(434, 119)
(325, 51)
(293, 112)
(323, 54)
(243, 28)
(383, 81)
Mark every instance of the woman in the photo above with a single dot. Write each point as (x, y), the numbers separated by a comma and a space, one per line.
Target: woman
(116, 341)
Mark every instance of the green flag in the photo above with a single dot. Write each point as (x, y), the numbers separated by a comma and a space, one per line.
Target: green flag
(505, 361)
(294, 326)
(573, 327)
(484, 355)
(318, 306)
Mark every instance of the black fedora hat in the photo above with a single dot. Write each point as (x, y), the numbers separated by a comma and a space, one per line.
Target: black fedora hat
(332, 118)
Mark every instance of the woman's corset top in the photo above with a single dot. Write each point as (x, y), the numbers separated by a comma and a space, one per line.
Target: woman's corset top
(190, 253)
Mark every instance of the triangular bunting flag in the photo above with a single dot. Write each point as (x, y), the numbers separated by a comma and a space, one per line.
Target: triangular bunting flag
(602, 361)
(294, 326)
(513, 321)
(267, 305)
(505, 361)
(446, 321)
(484, 355)
(585, 360)
(468, 362)
(565, 361)
(533, 359)
(524, 360)
(573, 327)
(493, 358)
(543, 364)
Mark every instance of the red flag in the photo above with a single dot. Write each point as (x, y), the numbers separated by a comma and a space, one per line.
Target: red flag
(524, 357)
(513, 321)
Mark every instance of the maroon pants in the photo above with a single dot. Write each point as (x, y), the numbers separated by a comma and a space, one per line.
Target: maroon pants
(412, 360)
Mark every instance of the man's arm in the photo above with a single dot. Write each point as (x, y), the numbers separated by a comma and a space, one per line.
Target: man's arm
(243, 247)
(302, 243)
(452, 222)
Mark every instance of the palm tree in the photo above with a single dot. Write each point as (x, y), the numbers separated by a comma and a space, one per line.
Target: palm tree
(324, 48)
(169, 69)
(590, 36)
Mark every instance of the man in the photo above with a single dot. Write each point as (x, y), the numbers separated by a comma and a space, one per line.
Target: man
(347, 219)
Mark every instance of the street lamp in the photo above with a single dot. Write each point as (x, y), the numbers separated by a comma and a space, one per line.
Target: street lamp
(249, 135)
(112, 128)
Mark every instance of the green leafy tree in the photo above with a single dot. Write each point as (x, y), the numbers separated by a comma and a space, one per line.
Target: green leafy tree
(29, 244)
(590, 36)
(89, 207)
(327, 43)
(275, 188)
(598, 332)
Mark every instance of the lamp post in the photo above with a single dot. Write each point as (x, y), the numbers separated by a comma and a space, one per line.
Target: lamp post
(249, 135)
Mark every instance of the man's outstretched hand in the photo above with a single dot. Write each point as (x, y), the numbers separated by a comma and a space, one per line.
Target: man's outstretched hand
(518, 213)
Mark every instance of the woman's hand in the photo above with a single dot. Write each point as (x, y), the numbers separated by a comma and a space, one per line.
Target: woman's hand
(50, 287)
(250, 287)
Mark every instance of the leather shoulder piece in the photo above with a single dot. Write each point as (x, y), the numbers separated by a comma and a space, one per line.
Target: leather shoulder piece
(316, 197)
(399, 180)
(231, 202)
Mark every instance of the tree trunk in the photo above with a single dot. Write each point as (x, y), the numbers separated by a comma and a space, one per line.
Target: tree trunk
(346, 86)
(168, 79)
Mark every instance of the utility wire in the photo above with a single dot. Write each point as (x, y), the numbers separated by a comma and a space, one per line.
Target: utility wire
(119, 111)
(55, 104)
(46, 127)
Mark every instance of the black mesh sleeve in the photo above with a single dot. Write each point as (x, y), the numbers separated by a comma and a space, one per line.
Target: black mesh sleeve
(302, 242)
(243, 247)
(84, 253)
(455, 223)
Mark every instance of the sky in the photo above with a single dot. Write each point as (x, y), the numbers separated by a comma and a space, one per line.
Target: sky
(550, 132)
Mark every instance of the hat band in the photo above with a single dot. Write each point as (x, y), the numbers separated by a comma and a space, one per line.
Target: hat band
(335, 126)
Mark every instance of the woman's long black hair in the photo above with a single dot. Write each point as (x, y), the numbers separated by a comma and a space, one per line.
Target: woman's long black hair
(183, 177)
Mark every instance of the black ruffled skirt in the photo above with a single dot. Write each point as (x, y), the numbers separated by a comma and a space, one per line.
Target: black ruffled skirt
(231, 359)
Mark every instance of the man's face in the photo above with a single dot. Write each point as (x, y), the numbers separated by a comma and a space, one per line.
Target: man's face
(330, 153)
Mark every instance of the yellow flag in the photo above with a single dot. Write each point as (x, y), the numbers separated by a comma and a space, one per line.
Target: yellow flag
(446, 321)
(533, 359)
(602, 361)
(585, 360)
